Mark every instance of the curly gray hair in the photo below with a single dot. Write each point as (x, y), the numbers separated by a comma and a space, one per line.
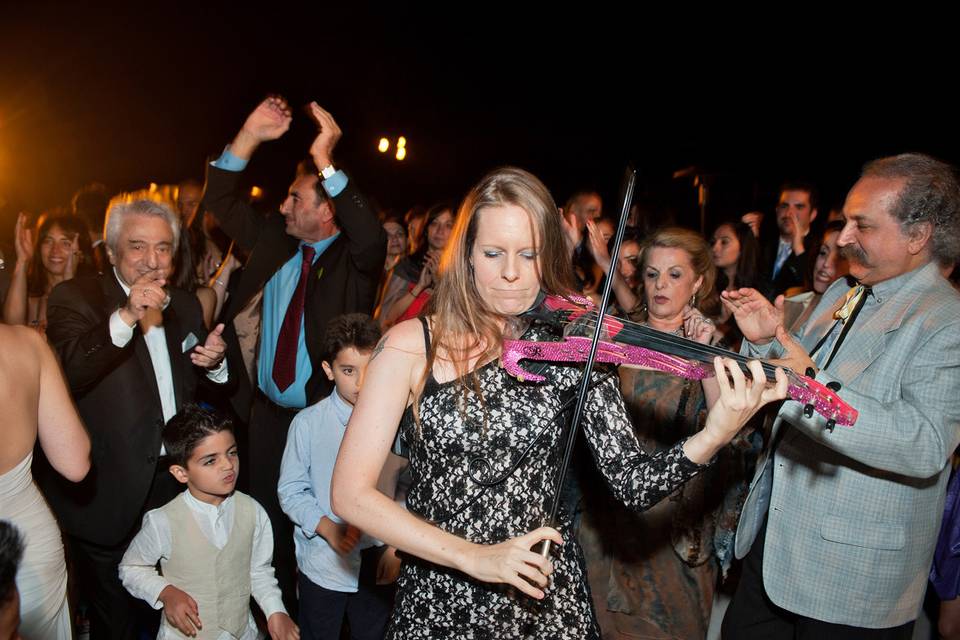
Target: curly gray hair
(930, 194)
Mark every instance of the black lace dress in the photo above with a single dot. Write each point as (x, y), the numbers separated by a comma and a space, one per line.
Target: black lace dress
(491, 480)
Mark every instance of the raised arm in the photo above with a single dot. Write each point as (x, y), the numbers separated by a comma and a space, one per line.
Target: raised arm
(15, 304)
(268, 121)
(355, 217)
(394, 370)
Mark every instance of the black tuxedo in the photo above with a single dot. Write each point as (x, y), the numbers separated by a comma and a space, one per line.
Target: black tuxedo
(115, 389)
(343, 279)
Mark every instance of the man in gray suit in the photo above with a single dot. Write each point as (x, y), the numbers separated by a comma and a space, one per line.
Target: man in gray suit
(840, 524)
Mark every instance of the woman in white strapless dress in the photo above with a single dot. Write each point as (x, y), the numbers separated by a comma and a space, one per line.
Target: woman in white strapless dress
(36, 403)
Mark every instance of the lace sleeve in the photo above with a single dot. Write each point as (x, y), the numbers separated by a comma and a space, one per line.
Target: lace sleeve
(637, 479)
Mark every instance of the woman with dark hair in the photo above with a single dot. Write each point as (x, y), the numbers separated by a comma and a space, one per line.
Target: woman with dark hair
(62, 241)
(485, 447)
(413, 278)
(735, 254)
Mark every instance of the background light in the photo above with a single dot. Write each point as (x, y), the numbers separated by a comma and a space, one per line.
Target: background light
(401, 153)
(256, 192)
(384, 145)
(401, 142)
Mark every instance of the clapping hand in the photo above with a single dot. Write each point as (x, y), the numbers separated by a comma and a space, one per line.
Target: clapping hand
(571, 230)
(270, 120)
(697, 326)
(146, 293)
(757, 318)
(598, 246)
(23, 237)
(322, 148)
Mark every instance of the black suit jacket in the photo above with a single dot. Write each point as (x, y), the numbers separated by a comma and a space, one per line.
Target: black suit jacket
(116, 393)
(795, 271)
(344, 279)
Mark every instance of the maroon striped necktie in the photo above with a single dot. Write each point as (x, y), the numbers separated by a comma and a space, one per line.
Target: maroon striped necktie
(285, 357)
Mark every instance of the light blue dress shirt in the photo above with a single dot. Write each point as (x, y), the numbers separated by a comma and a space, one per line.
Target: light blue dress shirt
(304, 491)
(277, 294)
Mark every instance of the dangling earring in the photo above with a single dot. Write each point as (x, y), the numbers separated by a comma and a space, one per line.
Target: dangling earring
(693, 301)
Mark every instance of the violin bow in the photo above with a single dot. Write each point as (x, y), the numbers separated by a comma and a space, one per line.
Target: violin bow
(630, 181)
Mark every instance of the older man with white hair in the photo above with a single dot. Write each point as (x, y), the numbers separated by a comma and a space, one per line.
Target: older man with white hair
(133, 350)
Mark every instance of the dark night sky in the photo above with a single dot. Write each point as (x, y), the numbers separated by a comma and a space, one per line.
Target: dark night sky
(130, 96)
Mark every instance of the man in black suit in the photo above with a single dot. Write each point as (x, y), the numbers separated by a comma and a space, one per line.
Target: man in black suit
(133, 351)
(321, 257)
(786, 261)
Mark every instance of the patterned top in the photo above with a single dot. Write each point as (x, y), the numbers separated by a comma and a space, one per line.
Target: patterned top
(484, 468)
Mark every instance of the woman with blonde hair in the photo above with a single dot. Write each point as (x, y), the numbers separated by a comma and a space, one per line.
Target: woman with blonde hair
(485, 447)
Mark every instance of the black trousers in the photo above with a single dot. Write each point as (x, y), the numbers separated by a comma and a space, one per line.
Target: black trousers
(752, 616)
(269, 424)
(322, 611)
(115, 614)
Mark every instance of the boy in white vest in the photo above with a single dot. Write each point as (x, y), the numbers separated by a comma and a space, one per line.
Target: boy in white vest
(344, 575)
(214, 544)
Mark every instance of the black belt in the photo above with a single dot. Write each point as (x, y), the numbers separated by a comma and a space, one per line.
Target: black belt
(275, 408)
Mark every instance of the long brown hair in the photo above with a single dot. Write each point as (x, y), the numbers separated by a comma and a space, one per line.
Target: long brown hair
(462, 321)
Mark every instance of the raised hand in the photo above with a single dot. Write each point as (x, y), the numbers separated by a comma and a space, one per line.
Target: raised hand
(73, 259)
(270, 120)
(212, 351)
(598, 246)
(512, 562)
(281, 627)
(697, 326)
(322, 148)
(146, 293)
(571, 230)
(430, 263)
(23, 237)
(757, 318)
(181, 610)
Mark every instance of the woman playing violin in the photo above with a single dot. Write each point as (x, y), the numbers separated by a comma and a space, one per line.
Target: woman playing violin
(484, 446)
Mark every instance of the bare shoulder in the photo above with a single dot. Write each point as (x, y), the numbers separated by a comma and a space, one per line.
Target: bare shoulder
(22, 340)
(403, 338)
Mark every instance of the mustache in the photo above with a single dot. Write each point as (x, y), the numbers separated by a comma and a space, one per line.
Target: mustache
(852, 252)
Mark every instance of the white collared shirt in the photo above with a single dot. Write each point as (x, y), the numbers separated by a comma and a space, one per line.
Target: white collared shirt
(156, 339)
(138, 571)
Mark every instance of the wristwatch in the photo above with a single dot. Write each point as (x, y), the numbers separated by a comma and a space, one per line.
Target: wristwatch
(327, 172)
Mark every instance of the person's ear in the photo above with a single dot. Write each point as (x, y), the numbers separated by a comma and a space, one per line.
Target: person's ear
(327, 369)
(179, 472)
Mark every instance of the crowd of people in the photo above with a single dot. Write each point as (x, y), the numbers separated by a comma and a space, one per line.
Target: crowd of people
(397, 480)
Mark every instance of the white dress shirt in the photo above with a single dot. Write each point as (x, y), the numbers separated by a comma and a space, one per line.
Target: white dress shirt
(138, 570)
(121, 333)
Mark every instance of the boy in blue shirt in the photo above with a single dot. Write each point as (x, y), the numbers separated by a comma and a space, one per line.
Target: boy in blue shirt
(343, 573)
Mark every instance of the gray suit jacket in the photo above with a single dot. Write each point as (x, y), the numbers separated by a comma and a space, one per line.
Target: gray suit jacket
(854, 514)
